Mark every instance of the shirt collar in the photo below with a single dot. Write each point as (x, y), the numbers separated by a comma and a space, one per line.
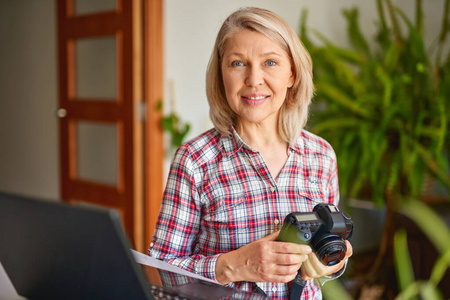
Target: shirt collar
(298, 145)
(233, 142)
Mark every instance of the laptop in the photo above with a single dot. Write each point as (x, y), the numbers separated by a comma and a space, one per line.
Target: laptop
(54, 250)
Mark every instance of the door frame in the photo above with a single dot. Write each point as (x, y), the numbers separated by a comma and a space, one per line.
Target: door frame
(154, 94)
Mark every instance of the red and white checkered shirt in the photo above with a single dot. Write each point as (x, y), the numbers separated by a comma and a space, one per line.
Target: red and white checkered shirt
(221, 196)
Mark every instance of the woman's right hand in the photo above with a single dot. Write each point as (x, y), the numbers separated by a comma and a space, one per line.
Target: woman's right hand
(264, 260)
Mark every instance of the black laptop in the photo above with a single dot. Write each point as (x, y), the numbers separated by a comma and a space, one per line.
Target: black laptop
(54, 250)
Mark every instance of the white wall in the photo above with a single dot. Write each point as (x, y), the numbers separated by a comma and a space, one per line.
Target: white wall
(28, 71)
(191, 27)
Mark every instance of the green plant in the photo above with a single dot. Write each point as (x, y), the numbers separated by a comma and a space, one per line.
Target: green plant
(387, 110)
(438, 233)
(383, 105)
(172, 125)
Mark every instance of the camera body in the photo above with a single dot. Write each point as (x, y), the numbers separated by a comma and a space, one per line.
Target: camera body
(325, 229)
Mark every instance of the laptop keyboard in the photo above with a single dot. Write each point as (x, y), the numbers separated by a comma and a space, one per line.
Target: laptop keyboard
(162, 294)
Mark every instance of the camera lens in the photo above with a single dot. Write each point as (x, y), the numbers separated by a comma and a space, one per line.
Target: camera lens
(331, 250)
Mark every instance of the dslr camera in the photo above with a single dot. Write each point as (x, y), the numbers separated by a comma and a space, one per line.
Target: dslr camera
(325, 229)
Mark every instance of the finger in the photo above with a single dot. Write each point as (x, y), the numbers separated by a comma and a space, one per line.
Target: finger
(286, 270)
(349, 249)
(289, 259)
(271, 237)
(312, 268)
(286, 247)
(306, 272)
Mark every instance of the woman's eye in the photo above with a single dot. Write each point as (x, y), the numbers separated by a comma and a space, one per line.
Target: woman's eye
(237, 63)
(271, 63)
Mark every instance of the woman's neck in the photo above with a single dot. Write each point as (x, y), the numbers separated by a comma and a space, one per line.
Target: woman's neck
(259, 136)
(269, 144)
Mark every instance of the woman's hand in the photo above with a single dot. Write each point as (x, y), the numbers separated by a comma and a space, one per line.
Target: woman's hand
(264, 260)
(314, 268)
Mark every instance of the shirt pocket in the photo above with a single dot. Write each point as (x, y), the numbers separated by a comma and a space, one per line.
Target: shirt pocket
(309, 198)
(233, 208)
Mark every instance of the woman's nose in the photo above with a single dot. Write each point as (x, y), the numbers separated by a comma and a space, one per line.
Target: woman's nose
(254, 76)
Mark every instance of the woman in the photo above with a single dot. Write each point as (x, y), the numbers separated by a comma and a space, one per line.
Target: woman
(229, 189)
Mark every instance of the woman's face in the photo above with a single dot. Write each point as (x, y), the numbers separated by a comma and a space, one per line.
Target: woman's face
(256, 74)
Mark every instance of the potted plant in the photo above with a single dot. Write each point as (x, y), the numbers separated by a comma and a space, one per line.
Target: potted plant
(383, 105)
(410, 287)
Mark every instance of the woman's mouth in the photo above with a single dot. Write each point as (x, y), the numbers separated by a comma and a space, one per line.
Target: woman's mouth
(254, 100)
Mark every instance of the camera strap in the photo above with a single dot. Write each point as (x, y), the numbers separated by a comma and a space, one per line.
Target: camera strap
(297, 287)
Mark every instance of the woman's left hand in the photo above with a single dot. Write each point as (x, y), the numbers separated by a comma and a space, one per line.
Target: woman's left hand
(314, 268)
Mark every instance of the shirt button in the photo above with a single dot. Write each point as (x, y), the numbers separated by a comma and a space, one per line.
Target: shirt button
(274, 289)
(151, 245)
(273, 189)
(276, 221)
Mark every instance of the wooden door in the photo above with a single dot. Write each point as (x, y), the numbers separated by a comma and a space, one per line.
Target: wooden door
(100, 48)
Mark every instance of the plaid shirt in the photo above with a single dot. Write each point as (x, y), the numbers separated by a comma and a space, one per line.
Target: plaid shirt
(221, 196)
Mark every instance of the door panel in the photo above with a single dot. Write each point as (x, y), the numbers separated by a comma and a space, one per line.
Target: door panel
(97, 152)
(95, 68)
(83, 7)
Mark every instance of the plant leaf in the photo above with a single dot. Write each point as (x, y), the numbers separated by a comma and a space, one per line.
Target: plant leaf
(430, 223)
(405, 273)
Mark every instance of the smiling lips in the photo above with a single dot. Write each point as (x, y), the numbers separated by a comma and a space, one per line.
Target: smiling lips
(255, 99)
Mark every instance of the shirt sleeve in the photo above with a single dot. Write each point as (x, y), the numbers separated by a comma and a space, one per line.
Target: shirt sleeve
(332, 189)
(178, 224)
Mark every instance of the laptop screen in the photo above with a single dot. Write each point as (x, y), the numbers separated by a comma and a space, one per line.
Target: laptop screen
(54, 250)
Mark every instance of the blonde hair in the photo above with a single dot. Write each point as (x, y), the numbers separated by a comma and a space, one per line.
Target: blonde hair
(294, 111)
